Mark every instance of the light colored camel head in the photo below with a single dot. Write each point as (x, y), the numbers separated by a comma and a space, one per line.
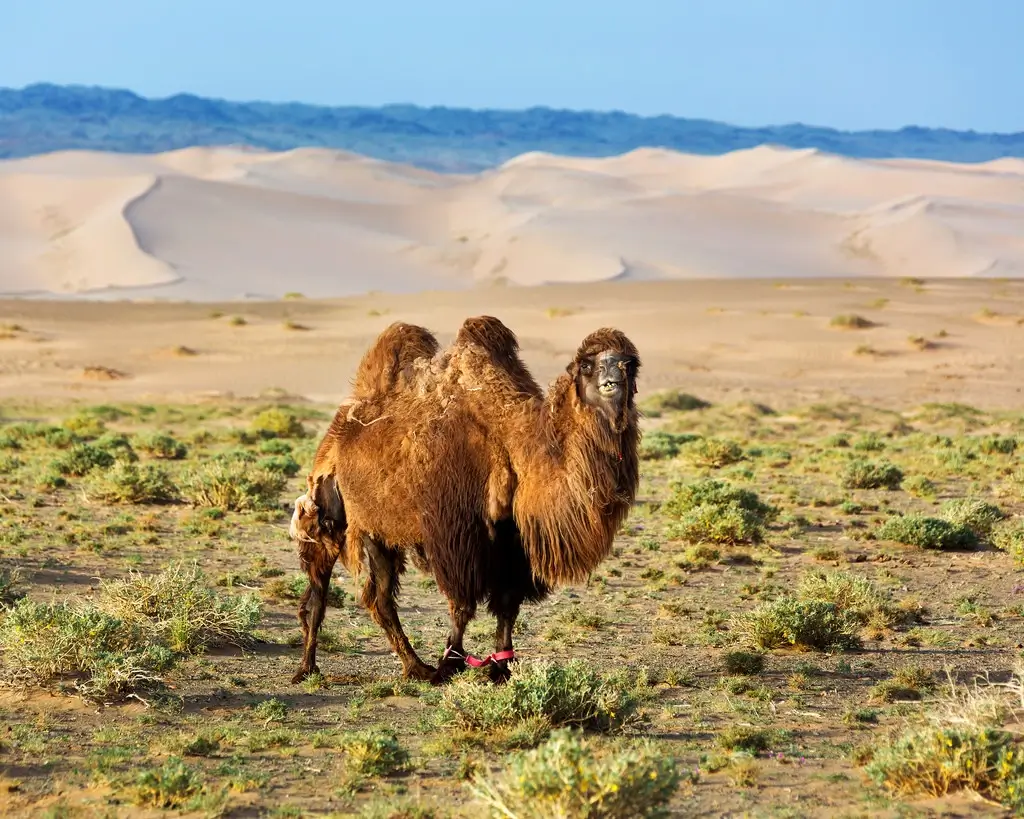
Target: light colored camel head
(605, 370)
(305, 520)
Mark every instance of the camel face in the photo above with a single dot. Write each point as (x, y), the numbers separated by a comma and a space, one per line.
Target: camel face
(607, 382)
(302, 517)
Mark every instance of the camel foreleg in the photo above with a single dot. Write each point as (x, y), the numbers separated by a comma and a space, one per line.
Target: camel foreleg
(312, 606)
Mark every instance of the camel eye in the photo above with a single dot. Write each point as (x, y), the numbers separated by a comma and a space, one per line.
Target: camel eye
(586, 368)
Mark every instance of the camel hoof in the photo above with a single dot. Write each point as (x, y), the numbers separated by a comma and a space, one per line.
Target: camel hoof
(446, 670)
(499, 672)
(304, 673)
(420, 671)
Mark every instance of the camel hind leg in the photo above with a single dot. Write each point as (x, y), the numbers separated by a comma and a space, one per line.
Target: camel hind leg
(379, 598)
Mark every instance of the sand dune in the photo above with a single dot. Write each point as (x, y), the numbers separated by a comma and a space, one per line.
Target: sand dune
(225, 223)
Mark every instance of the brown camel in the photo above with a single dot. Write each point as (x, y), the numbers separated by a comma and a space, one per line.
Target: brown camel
(459, 462)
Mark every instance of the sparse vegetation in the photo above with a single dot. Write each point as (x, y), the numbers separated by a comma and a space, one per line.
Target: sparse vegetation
(712, 511)
(862, 474)
(570, 776)
(927, 532)
(851, 321)
(789, 622)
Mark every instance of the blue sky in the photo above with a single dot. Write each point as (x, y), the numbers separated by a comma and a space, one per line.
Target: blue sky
(844, 63)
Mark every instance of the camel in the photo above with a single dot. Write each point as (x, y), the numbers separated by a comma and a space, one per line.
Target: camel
(458, 461)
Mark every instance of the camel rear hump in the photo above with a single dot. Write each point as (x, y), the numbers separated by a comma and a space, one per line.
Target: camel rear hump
(388, 363)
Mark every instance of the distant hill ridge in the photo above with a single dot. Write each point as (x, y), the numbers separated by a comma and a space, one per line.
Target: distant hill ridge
(43, 117)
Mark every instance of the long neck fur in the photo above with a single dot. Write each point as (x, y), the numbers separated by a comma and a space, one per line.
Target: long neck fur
(577, 478)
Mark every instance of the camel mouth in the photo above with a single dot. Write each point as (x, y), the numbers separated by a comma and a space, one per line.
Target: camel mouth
(611, 387)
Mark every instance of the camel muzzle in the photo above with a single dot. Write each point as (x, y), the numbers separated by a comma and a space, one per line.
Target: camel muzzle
(611, 374)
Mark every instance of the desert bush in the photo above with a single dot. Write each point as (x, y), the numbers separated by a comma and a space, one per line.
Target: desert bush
(938, 760)
(129, 483)
(919, 486)
(806, 624)
(105, 657)
(277, 423)
(570, 777)
(233, 485)
(998, 445)
(861, 474)
(137, 629)
(84, 426)
(746, 740)
(80, 460)
(972, 513)
(849, 593)
(283, 464)
(711, 511)
(714, 453)
(851, 321)
(927, 533)
(375, 752)
(160, 445)
(178, 609)
(654, 406)
(1009, 537)
(171, 785)
(657, 444)
(743, 662)
(546, 695)
(9, 591)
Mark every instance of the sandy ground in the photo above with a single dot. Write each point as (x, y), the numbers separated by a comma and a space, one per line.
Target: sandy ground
(218, 223)
(767, 341)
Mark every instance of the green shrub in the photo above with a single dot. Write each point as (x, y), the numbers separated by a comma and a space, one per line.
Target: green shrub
(711, 511)
(806, 624)
(276, 423)
(659, 403)
(84, 427)
(973, 514)
(746, 740)
(569, 777)
(998, 445)
(861, 474)
(375, 752)
(927, 533)
(657, 444)
(849, 593)
(9, 591)
(171, 785)
(851, 321)
(80, 460)
(129, 483)
(546, 695)
(1009, 537)
(920, 487)
(743, 662)
(160, 445)
(104, 656)
(937, 760)
(178, 609)
(232, 485)
(714, 453)
(284, 464)
(137, 629)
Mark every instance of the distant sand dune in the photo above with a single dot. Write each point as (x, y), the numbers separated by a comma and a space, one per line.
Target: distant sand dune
(228, 223)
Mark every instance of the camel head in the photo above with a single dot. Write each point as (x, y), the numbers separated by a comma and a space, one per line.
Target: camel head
(318, 514)
(604, 371)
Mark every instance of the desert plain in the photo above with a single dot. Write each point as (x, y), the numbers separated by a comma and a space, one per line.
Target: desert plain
(825, 558)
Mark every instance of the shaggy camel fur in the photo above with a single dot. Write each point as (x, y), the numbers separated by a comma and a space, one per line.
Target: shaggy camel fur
(458, 461)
